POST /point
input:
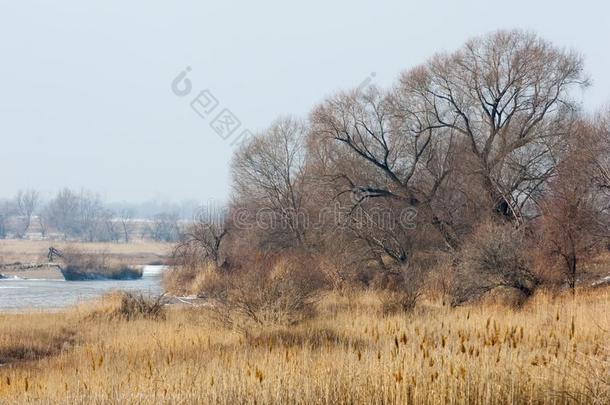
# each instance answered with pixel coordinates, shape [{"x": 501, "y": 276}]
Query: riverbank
[
  {"x": 46, "y": 273},
  {"x": 44, "y": 294},
  {"x": 34, "y": 251},
  {"x": 554, "y": 350},
  {"x": 31, "y": 254}
]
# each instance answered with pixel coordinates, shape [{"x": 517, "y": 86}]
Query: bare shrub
[
  {"x": 344, "y": 261},
  {"x": 400, "y": 289},
  {"x": 179, "y": 280},
  {"x": 204, "y": 280},
  {"x": 271, "y": 292},
  {"x": 268, "y": 291},
  {"x": 77, "y": 258},
  {"x": 545, "y": 265},
  {"x": 497, "y": 256},
  {"x": 440, "y": 276},
  {"x": 137, "y": 306},
  {"x": 81, "y": 265},
  {"x": 130, "y": 306},
  {"x": 210, "y": 282}
]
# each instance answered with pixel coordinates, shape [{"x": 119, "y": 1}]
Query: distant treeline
[{"x": 83, "y": 215}]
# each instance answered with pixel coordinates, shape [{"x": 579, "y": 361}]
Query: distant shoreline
[
  {"x": 49, "y": 273},
  {"x": 27, "y": 258}
]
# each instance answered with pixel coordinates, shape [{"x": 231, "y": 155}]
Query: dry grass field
[
  {"x": 554, "y": 350},
  {"x": 33, "y": 251}
]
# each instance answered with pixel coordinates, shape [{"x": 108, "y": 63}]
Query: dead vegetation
[
  {"x": 473, "y": 180},
  {"x": 40, "y": 337},
  {"x": 480, "y": 157},
  {"x": 136, "y": 251},
  {"x": 496, "y": 257},
  {"x": 129, "y": 306},
  {"x": 280, "y": 291},
  {"x": 78, "y": 265},
  {"x": 551, "y": 351}
]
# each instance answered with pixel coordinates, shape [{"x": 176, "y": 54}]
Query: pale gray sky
[{"x": 85, "y": 98}]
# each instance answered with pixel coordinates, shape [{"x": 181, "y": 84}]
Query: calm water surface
[{"x": 54, "y": 294}]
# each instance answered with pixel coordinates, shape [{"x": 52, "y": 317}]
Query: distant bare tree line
[{"x": 81, "y": 216}]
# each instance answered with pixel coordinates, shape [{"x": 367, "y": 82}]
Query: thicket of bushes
[
  {"x": 476, "y": 172},
  {"x": 77, "y": 265}
]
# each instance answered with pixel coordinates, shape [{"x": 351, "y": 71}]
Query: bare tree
[
  {"x": 576, "y": 208},
  {"x": 165, "y": 227},
  {"x": 43, "y": 222},
  {"x": 368, "y": 149},
  {"x": 2, "y": 225},
  {"x": 89, "y": 215},
  {"x": 61, "y": 212},
  {"x": 107, "y": 228},
  {"x": 80, "y": 215},
  {"x": 5, "y": 214},
  {"x": 269, "y": 176},
  {"x": 597, "y": 150},
  {"x": 508, "y": 96},
  {"x": 26, "y": 202},
  {"x": 468, "y": 133},
  {"x": 202, "y": 241},
  {"x": 125, "y": 217}
]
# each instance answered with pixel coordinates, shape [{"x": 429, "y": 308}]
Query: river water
[{"x": 19, "y": 295}]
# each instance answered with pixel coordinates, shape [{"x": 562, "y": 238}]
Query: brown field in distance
[{"x": 33, "y": 251}]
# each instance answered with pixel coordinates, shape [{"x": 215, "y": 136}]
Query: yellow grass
[
  {"x": 551, "y": 351},
  {"x": 32, "y": 251}
]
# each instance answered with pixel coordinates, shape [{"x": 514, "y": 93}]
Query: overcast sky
[{"x": 85, "y": 87}]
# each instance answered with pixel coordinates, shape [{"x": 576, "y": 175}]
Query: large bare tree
[
  {"x": 508, "y": 95},
  {"x": 269, "y": 177},
  {"x": 367, "y": 146}
]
